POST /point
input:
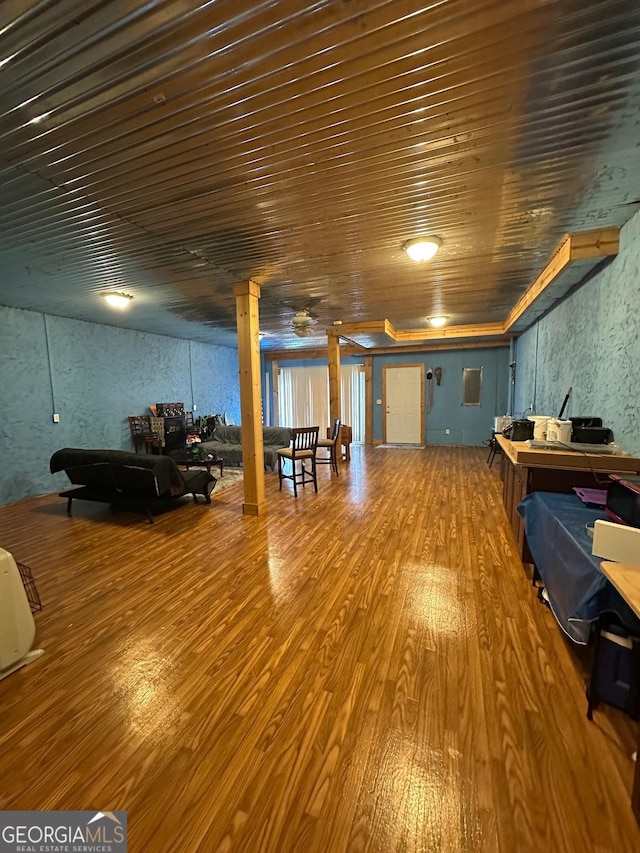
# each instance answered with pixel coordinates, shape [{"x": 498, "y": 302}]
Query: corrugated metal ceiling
[{"x": 185, "y": 146}]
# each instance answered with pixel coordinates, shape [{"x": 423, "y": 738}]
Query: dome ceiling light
[
  {"x": 422, "y": 249},
  {"x": 437, "y": 322},
  {"x": 117, "y": 300}
]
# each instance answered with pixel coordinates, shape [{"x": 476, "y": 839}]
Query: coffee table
[{"x": 200, "y": 462}]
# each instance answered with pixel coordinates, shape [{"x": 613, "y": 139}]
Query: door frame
[{"x": 419, "y": 364}]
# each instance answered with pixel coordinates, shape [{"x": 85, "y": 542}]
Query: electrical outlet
[
  {"x": 194, "y": 407},
  {"x": 447, "y": 431},
  {"x": 56, "y": 418},
  {"x": 378, "y": 402}
]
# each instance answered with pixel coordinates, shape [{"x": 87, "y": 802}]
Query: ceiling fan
[{"x": 302, "y": 323}]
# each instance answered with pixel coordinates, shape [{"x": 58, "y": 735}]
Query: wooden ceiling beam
[
  {"x": 366, "y": 327},
  {"x": 596, "y": 245},
  {"x": 489, "y": 330},
  {"x": 321, "y": 353}
]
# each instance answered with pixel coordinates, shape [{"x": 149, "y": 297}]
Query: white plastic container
[
  {"x": 540, "y": 426},
  {"x": 559, "y": 430}
]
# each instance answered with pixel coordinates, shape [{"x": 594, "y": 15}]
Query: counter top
[
  {"x": 533, "y": 457},
  {"x": 626, "y": 580}
]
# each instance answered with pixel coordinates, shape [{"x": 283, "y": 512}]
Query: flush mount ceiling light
[
  {"x": 437, "y": 322},
  {"x": 422, "y": 248},
  {"x": 117, "y": 300}
]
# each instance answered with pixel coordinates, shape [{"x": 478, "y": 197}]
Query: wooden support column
[
  {"x": 335, "y": 402},
  {"x": 247, "y": 294},
  {"x": 368, "y": 399}
]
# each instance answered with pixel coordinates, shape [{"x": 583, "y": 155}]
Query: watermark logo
[{"x": 63, "y": 832}]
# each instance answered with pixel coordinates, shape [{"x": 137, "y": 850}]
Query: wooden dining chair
[
  {"x": 302, "y": 450},
  {"x": 330, "y": 445},
  {"x": 141, "y": 435}
]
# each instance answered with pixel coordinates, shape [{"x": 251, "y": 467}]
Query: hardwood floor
[{"x": 365, "y": 669}]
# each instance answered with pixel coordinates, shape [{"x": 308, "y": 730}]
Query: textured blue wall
[
  {"x": 590, "y": 342},
  {"x": 99, "y": 375},
  {"x": 469, "y": 425}
]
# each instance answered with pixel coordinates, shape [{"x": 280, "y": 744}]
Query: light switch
[{"x": 56, "y": 418}]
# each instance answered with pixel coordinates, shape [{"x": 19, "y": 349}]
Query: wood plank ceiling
[{"x": 171, "y": 149}]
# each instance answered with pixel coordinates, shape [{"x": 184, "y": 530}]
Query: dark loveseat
[
  {"x": 227, "y": 444},
  {"x": 128, "y": 480}
]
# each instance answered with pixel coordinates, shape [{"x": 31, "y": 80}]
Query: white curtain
[
  {"x": 352, "y": 390},
  {"x": 303, "y": 398}
]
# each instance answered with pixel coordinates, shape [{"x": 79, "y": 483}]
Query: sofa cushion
[
  {"x": 228, "y": 434},
  {"x": 277, "y": 436}
]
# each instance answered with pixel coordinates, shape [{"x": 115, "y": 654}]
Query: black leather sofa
[{"x": 125, "y": 480}]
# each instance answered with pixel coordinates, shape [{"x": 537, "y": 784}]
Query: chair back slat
[
  {"x": 139, "y": 425},
  {"x": 305, "y": 438}
]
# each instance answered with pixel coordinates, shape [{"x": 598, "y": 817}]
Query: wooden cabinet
[
  {"x": 526, "y": 470},
  {"x": 514, "y": 488},
  {"x": 346, "y": 437}
]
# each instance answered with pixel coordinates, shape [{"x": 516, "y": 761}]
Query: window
[
  {"x": 304, "y": 397},
  {"x": 471, "y": 386}
]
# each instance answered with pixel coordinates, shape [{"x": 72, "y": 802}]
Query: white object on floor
[
  {"x": 17, "y": 628},
  {"x": 616, "y": 542}
]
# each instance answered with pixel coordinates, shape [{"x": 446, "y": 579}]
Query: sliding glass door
[{"x": 303, "y": 397}]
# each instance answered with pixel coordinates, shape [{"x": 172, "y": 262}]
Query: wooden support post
[
  {"x": 368, "y": 399},
  {"x": 247, "y": 294},
  {"x": 335, "y": 403}
]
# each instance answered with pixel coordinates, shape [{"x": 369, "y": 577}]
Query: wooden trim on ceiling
[
  {"x": 345, "y": 351},
  {"x": 488, "y": 330},
  {"x": 373, "y": 327},
  {"x": 597, "y": 245},
  {"x": 377, "y": 327}
]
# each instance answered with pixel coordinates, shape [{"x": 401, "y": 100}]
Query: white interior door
[{"x": 404, "y": 404}]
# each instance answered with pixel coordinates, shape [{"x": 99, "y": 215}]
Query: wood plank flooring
[{"x": 365, "y": 669}]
